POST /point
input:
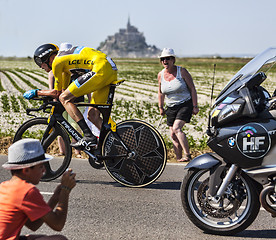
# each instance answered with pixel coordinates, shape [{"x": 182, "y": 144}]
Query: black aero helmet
[{"x": 43, "y": 53}]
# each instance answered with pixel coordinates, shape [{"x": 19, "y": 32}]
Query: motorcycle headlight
[{"x": 228, "y": 111}]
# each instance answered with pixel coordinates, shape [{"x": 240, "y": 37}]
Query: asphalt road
[{"x": 103, "y": 209}]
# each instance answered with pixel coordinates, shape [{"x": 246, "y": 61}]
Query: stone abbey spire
[
  {"x": 128, "y": 43},
  {"x": 128, "y": 22}
]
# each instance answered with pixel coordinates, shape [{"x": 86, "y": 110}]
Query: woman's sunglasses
[{"x": 165, "y": 58}]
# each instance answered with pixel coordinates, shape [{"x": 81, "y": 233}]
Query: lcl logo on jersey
[{"x": 253, "y": 140}]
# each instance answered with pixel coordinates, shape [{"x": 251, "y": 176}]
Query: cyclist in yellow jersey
[{"x": 94, "y": 72}]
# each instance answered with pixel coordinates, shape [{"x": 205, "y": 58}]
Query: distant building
[{"x": 128, "y": 43}]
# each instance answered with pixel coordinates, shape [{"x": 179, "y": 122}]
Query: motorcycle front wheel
[{"x": 234, "y": 212}]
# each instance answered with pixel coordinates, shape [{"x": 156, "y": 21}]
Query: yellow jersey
[{"x": 88, "y": 67}]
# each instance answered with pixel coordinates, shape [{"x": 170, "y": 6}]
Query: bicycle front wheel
[
  {"x": 38, "y": 128},
  {"x": 148, "y": 158}
]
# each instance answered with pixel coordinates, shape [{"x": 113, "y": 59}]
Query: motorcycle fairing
[
  {"x": 245, "y": 74},
  {"x": 205, "y": 161},
  {"x": 246, "y": 101},
  {"x": 212, "y": 162},
  {"x": 262, "y": 174},
  {"x": 229, "y": 141}
]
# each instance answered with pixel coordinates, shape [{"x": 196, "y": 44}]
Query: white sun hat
[
  {"x": 25, "y": 153},
  {"x": 167, "y": 52},
  {"x": 65, "y": 46}
]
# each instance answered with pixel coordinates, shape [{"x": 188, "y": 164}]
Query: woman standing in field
[{"x": 176, "y": 84}]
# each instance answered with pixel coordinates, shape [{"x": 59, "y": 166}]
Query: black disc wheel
[
  {"x": 38, "y": 128},
  {"x": 147, "y": 159}
]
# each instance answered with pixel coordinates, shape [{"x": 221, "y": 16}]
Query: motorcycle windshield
[{"x": 246, "y": 72}]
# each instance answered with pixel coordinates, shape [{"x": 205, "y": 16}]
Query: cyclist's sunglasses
[
  {"x": 39, "y": 61},
  {"x": 165, "y": 58}
]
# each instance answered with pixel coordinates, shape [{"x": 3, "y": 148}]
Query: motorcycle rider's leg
[{"x": 181, "y": 136}]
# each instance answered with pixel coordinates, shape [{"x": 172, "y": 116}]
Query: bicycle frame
[
  {"x": 107, "y": 125},
  {"x": 133, "y": 152}
]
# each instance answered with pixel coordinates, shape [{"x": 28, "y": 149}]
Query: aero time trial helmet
[{"x": 43, "y": 53}]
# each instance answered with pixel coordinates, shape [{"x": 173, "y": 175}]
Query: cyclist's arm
[
  {"x": 66, "y": 78},
  {"x": 58, "y": 70},
  {"x": 51, "y": 80},
  {"x": 49, "y": 93}
]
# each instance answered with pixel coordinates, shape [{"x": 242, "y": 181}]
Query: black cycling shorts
[{"x": 182, "y": 111}]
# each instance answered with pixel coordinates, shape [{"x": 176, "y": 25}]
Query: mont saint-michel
[{"x": 128, "y": 43}]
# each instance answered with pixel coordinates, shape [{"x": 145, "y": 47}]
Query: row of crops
[{"x": 135, "y": 98}]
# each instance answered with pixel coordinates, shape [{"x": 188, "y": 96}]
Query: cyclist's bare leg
[
  {"x": 67, "y": 100},
  {"x": 93, "y": 116},
  {"x": 89, "y": 139}
]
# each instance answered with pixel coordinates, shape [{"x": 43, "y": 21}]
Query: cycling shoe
[{"x": 86, "y": 143}]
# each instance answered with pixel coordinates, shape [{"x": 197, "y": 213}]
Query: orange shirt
[{"x": 19, "y": 201}]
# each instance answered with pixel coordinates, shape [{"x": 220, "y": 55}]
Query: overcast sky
[{"x": 192, "y": 28}]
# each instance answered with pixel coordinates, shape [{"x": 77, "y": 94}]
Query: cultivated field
[{"x": 135, "y": 98}]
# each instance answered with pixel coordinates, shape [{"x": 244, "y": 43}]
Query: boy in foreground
[{"x": 21, "y": 202}]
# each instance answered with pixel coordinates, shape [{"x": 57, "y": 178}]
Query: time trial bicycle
[{"x": 133, "y": 152}]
